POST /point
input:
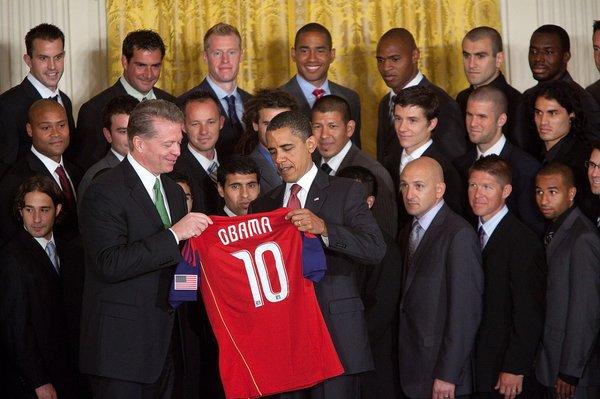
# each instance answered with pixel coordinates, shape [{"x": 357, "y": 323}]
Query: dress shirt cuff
[
  {"x": 569, "y": 379},
  {"x": 174, "y": 235}
]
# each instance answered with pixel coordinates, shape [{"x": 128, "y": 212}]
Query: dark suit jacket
[
  {"x": 229, "y": 135},
  {"x": 594, "y": 90},
  {"x": 269, "y": 177},
  {"x": 14, "y": 104},
  {"x": 109, "y": 161},
  {"x": 24, "y": 168},
  {"x": 126, "y": 321},
  {"x": 514, "y": 266},
  {"x": 385, "y": 209},
  {"x": 450, "y": 132},
  {"x": 92, "y": 143},
  {"x": 440, "y": 306},
  {"x": 516, "y": 128},
  {"x": 570, "y": 341},
  {"x": 292, "y": 87},
  {"x": 522, "y": 199},
  {"x": 34, "y": 320},
  {"x": 204, "y": 190},
  {"x": 354, "y": 238}
]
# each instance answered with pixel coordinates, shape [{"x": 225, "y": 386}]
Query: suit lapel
[
  {"x": 317, "y": 193},
  {"x": 30, "y": 90},
  {"x": 205, "y": 86},
  {"x": 347, "y": 161},
  {"x": 139, "y": 194},
  {"x": 497, "y": 235},
  {"x": 31, "y": 246},
  {"x": 173, "y": 193},
  {"x": 297, "y": 92},
  {"x": 561, "y": 234}
]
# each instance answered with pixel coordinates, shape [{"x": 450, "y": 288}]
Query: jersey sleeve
[{"x": 313, "y": 258}]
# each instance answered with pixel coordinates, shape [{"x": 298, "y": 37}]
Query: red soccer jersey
[{"x": 271, "y": 333}]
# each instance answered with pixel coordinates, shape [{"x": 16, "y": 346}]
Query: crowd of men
[{"x": 462, "y": 261}]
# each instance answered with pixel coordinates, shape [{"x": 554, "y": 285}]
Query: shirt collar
[
  {"x": 427, "y": 218},
  {"x": 493, "y": 222},
  {"x": 44, "y": 91},
  {"x": 335, "y": 161},
  {"x": 228, "y": 212},
  {"x": 116, "y": 154},
  {"x": 50, "y": 164},
  {"x": 305, "y": 182},
  {"x": 43, "y": 242},
  {"x": 219, "y": 91},
  {"x": 205, "y": 162},
  {"x": 405, "y": 158},
  {"x": 308, "y": 88},
  {"x": 414, "y": 81},
  {"x": 496, "y": 149},
  {"x": 148, "y": 178},
  {"x": 132, "y": 91}
]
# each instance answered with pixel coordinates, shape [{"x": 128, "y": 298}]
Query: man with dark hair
[
  {"x": 333, "y": 128},
  {"x": 486, "y": 117},
  {"x": 142, "y": 55},
  {"x": 312, "y": 53},
  {"x": 591, "y": 206},
  {"x": 482, "y": 60},
  {"x": 398, "y": 64},
  {"x": 594, "y": 88},
  {"x": 132, "y": 220},
  {"x": 335, "y": 210},
  {"x": 260, "y": 109},
  {"x": 513, "y": 302},
  {"x": 184, "y": 183},
  {"x": 45, "y": 58},
  {"x": 200, "y": 158},
  {"x": 379, "y": 288},
  {"x": 115, "y": 117},
  {"x": 549, "y": 55},
  {"x": 222, "y": 54},
  {"x": 416, "y": 116},
  {"x": 567, "y": 362},
  {"x": 238, "y": 185}
]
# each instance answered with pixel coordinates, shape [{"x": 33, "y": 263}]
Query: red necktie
[
  {"x": 66, "y": 187},
  {"x": 318, "y": 93},
  {"x": 294, "y": 201}
]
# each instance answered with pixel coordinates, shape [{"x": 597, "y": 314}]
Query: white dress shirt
[
  {"x": 335, "y": 161},
  {"x": 44, "y": 91},
  {"x": 51, "y": 165},
  {"x": 417, "y": 153},
  {"x": 132, "y": 91}
]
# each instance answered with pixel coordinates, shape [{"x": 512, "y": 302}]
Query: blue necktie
[
  {"x": 51, "y": 251},
  {"x": 231, "y": 110}
]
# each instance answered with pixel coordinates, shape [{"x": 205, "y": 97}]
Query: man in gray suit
[
  {"x": 568, "y": 362},
  {"x": 333, "y": 128},
  {"x": 313, "y": 52},
  {"x": 441, "y": 299},
  {"x": 114, "y": 127}
]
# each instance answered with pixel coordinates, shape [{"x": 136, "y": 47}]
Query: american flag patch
[{"x": 186, "y": 282}]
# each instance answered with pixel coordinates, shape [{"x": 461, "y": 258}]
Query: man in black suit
[
  {"x": 482, "y": 59},
  {"x": 34, "y": 328},
  {"x": 45, "y": 58},
  {"x": 441, "y": 297},
  {"x": 568, "y": 361},
  {"x": 398, "y": 64},
  {"x": 333, "y": 129},
  {"x": 199, "y": 159},
  {"x": 48, "y": 129},
  {"x": 312, "y": 53},
  {"x": 594, "y": 88},
  {"x": 238, "y": 185},
  {"x": 115, "y": 117},
  {"x": 260, "y": 109},
  {"x": 549, "y": 54},
  {"x": 222, "y": 54},
  {"x": 514, "y": 269},
  {"x": 592, "y": 205},
  {"x": 132, "y": 220},
  {"x": 486, "y": 117},
  {"x": 416, "y": 116},
  {"x": 142, "y": 55},
  {"x": 335, "y": 210}
]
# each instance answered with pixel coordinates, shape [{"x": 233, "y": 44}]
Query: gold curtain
[{"x": 268, "y": 28}]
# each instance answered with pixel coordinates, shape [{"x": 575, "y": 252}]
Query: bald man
[
  {"x": 441, "y": 298},
  {"x": 398, "y": 63},
  {"x": 48, "y": 127}
]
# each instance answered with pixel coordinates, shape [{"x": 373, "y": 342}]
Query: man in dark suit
[
  {"x": 199, "y": 159},
  {"x": 333, "y": 129},
  {"x": 132, "y": 220},
  {"x": 49, "y": 131},
  {"x": 398, "y": 64},
  {"x": 312, "y": 53},
  {"x": 568, "y": 362},
  {"x": 114, "y": 127},
  {"x": 45, "y": 58},
  {"x": 142, "y": 55},
  {"x": 238, "y": 185},
  {"x": 260, "y": 109},
  {"x": 441, "y": 300},
  {"x": 486, "y": 117},
  {"x": 592, "y": 205},
  {"x": 549, "y": 54},
  {"x": 380, "y": 291},
  {"x": 594, "y": 88},
  {"x": 514, "y": 266},
  {"x": 482, "y": 59},
  {"x": 333, "y": 209},
  {"x": 416, "y": 113},
  {"x": 222, "y": 54},
  {"x": 34, "y": 316}
]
